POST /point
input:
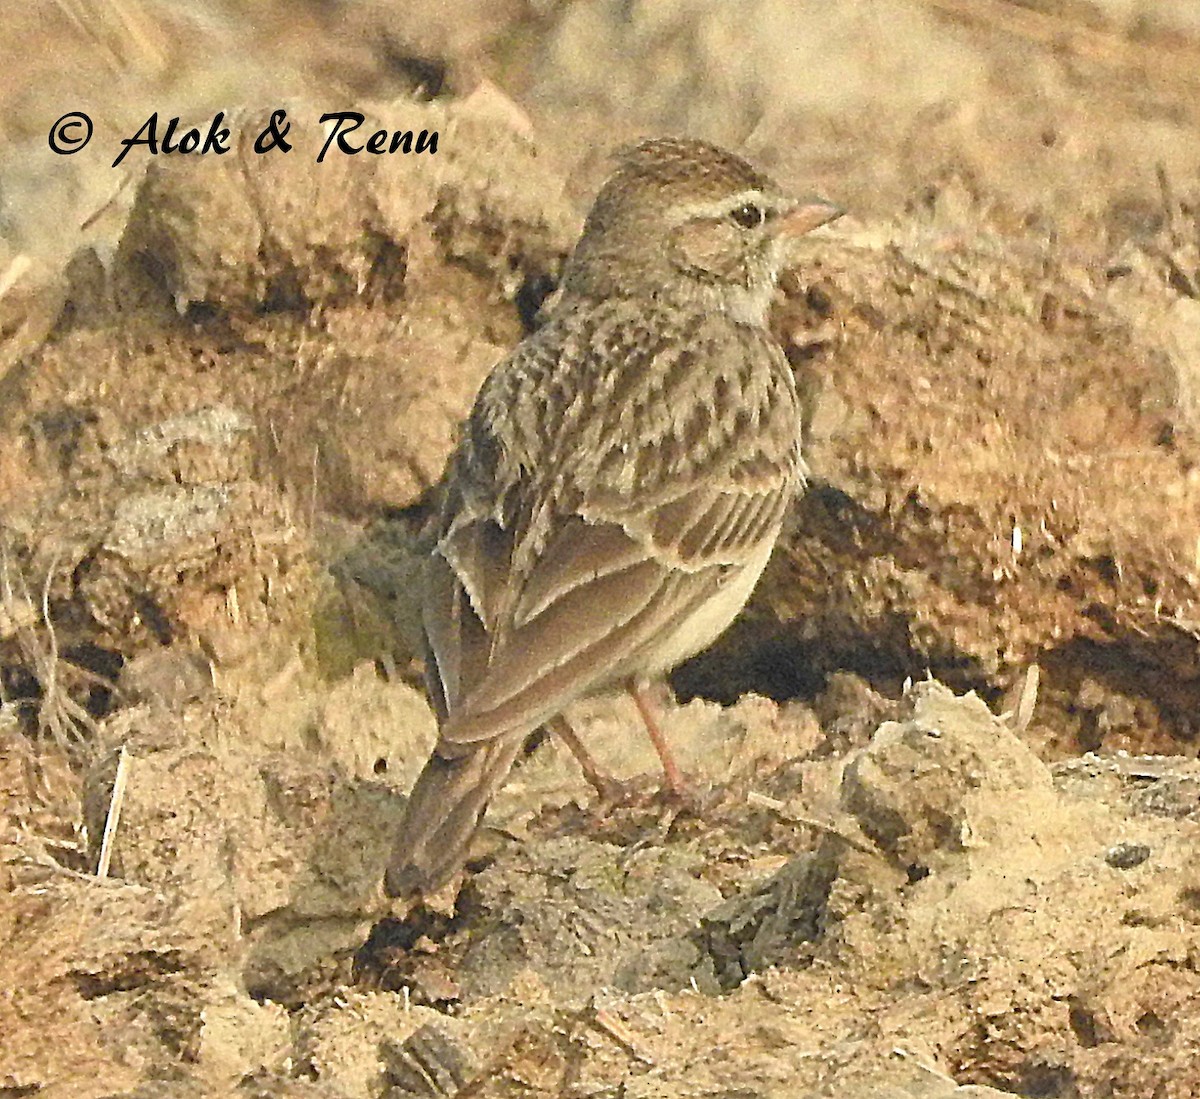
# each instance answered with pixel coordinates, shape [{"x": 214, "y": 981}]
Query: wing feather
[
  {"x": 578, "y": 552},
  {"x": 656, "y": 597},
  {"x": 565, "y": 546}
]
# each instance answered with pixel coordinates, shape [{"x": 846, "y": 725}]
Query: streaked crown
[{"x": 687, "y": 222}]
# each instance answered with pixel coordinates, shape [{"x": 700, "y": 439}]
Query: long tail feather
[{"x": 443, "y": 813}]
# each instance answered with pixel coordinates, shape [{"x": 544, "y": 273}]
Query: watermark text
[{"x": 347, "y": 133}]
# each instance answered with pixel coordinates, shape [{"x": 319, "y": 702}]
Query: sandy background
[{"x": 950, "y": 842}]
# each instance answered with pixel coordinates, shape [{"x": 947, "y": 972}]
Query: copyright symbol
[{"x": 65, "y": 135}]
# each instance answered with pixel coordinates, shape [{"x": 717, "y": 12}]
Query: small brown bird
[{"x": 619, "y": 485}]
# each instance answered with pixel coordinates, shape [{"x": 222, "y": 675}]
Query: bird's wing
[{"x": 546, "y": 589}]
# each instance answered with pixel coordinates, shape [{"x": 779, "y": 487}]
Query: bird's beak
[{"x": 808, "y": 214}]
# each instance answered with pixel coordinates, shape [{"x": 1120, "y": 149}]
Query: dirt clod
[{"x": 945, "y": 834}]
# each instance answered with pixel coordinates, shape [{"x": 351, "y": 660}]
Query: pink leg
[
  {"x": 603, "y": 784},
  {"x": 676, "y": 784}
]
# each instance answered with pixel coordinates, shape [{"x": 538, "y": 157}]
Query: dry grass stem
[
  {"x": 114, "y": 813},
  {"x": 59, "y": 715}
]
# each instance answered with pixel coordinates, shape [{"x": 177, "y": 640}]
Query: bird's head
[{"x": 685, "y": 220}]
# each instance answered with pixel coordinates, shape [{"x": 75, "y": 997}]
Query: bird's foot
[{"x": 670, "y": 799}]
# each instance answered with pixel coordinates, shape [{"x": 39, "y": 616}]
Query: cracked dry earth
[{"x": 949, "y": 841}]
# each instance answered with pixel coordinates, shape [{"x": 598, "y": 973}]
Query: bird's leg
[
  {"x": 612, "y": 791},
  {"x": 676, "y": 785},
  {"x": 608, "y": 788}
]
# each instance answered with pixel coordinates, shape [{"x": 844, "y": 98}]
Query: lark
[{"x": 619, "y": 485}]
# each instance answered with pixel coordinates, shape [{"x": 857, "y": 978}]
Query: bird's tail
[{"x": 443, "y": 814}]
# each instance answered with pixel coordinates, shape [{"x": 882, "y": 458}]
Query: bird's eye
[{"x": 748, "y": 215}]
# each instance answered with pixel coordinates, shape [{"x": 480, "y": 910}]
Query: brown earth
[{"x": 227, "y": 385}]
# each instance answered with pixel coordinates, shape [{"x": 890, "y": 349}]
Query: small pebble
[{"x": 1125, "y": 856}]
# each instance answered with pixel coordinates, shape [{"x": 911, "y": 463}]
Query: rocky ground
[{"x": 950, "y": 834}]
